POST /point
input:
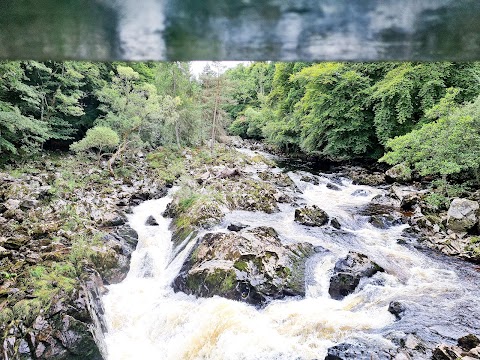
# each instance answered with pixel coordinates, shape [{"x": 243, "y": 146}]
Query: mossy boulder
[
  {"x": 462, "y": 215},
  {"x": 399, "y": 173},
  {"x": 252, "y": 266},
  {"x": 311, "y": 216}
]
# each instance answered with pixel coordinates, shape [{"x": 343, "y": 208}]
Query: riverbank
[{"x": 64, "y": 236}]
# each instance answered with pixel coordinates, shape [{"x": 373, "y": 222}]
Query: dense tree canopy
[{"x": 332, "y": 110}]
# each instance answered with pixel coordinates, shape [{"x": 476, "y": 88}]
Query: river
[{"x": 148, "y": 320}]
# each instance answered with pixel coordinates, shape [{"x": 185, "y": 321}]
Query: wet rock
[
  {"x": 335, "y": 223},
  {"x": 236, "y": 227},
  {"x": 385, "y": 221},
  {"x": 348, "y": 272},
  {"x": 151, "y": 221},
  {"x": 468, "y": 342},
  {"x": 114, "y": 219},
  {"x": 333, "y": 187},
  {"x": 310, "y": 179},
  {"x": 360, "y": 192},
  {"x": 278, "y": 179},
  {"x": 399, "y": 173},
  {"x": 462, "y": 215},
  {"x": 468, "y": 348},
  {"x": 311, "y": 216},
  {"x": 362, "y": 176},
  {"x": 396, "y": 308},
  {"x": 346, "y": 351},
  {"x": 385, "y": 200},
  {"x": 444, "y": 352},
  {"x": 254, "y": 267}
]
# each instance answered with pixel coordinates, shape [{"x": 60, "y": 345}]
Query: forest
[{"x": 391, "y": 112}]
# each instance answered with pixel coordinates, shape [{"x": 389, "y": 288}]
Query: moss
[
  {"x": 6, "y": 315},
  {"x": 169, "y": 164},
  {"x": 27, "y": 310},
  {"x": 241, "y": 265}
]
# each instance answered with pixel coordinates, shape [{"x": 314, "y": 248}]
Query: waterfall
[{"x": 148, "y": 320}]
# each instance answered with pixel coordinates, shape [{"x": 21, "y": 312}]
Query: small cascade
[{"x": 148, "y": 320}]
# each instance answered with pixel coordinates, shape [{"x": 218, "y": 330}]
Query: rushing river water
[{"x": 148, "y": 320}]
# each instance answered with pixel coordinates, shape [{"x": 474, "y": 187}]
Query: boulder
[
  {"x": 278, "y": 179},
  {"x": 399, "y": 173},
  {"x": 310, "y": 179},
  {"x": 151, "y": 221},
  {"x": 468, "y": 348},
  {"x": 360, "y": 192},
  {"x": 335, "y": 223},
  {"x": 385, "y": 221},
  {"x": 468, "y": 342},
  {"x": 396, "y": 308},
  {"x": 236, "y": 227},
  {"x": 348, "y": 272},
  {"x": 347, "y": 351},
  {"x": 253, "y": 267},
  {"x": 462, "y": 215},
  {"x": 311, "y": 216},
  {"x": 333, "y": 187}
]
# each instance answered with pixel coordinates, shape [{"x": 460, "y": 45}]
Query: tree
[
  {"x": 98, "y": 137},
  {"x": 215, "y": 95},
  {"x": 128, "y": 105},
  {"x": 448, "y": 145},
  {"x": 335, "y": 121}
]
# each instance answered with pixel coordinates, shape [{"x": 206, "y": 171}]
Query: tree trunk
[{"x": 177, "y": 133}]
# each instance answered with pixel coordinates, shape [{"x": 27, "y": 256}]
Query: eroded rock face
[
  {"x": 311, "y": 216},
  {"x": 348, "y": 272},
  {"x": 252, "y": 266},
  {"x": 468, "y": 347},
  {"x": 462, "y": 215}
]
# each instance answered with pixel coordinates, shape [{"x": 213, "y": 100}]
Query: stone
[
  {"x": 311, "y": 216},
  {"x": 310, "y": 179},
  {"x": 348, "y": 272},
  {"x": 396, "y": 308},
  {"x": 114, "y": 219},
  {"x": 360, "y": 192},
  {"x": 335, "y": 223},
  {"x": 468, "y": 342},
  {"x": 399, "y": 173},
  {"x": 385, "y": 221},
  {"x": 462, "y": 215},
  {"x": 236, "y": 227},
  {"x": 151, "y": 221},
  {"x": 333, "y": 187},
  {"x": 252, "y": 267},
  {"x": 28, "y": 204}
]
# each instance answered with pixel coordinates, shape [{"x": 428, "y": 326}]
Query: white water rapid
[{"x": 148, "y": 320}]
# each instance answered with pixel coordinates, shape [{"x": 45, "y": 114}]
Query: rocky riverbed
[{"x": 65, "y": 236}]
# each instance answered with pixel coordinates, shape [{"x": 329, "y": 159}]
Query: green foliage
[
  {"x": 437, "y": 201},
  {"x": 99, "y": 137},
  {"x": 446, "y": 146},
  {"x": 334, "y": 121},
  {"x": 251, "y": 124},
  {"x": 169, "y": 163}
]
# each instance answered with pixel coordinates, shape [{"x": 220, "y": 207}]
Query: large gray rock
[
  {"x": 252, "y": 266},
  {"x": 311, "y": 216},
  {"x": 462, "y": 215},
  {"x": 348, "y": 272},
  {"x": 399, "y": 173}
]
